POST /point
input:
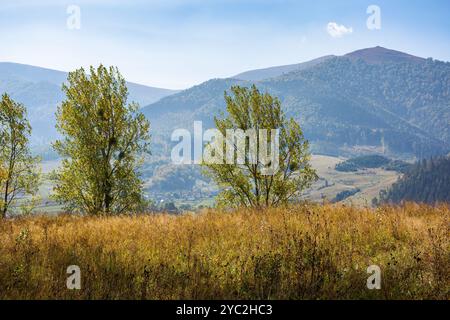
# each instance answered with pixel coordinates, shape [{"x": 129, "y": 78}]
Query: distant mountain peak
[
  {"x": 381, "y": 55},
  {"x": 375, "y": 55}
]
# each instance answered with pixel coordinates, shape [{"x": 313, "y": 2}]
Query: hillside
[
  {"x": 273, "y": 72},
  {"x": 40, "y": 90},
  {"x": 428, "y": 182},
  {"x": 347, "y": 105}
]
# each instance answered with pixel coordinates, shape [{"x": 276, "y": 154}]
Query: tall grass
[{"x": 300, "y": 252}]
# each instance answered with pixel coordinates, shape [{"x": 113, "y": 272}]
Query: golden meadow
[{"x": 299, "y": 252}]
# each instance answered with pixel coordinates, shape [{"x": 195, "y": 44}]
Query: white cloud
[{"x": 336, "y": 31}]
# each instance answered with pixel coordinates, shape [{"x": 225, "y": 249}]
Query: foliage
[
  {"x": 246, "y": 184},
  {"x": 398, "y": 166},
  {"x": 372, "y": 161},
  {"x": 30, "y": 204},
  {"x": 19, "y": 173},
  {"x": 345, "y": 194},
  {"x": 428, "y": 181},
  {"x": 103, "y": 140},
  {"x": 298, "y": 252}
]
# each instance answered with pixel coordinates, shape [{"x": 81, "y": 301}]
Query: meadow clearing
[{"x": 307, "y": 251}]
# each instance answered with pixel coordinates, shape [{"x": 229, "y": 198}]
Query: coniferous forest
[{"x": 428, "y": 181}]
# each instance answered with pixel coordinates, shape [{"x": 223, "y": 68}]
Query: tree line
[
  {"x": 427, "y": 181},
  {"x": 105, "y": 138}
]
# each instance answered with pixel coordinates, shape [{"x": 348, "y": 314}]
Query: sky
[{"x": 176, "y": 44}]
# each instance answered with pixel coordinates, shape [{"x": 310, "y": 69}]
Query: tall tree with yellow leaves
[{"x": 103, "y": 141}]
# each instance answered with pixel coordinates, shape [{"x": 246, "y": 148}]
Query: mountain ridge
[
  {"x": 272, "y": 72},
  {"x": 370, "y": 55},
  {"x": 39, "y": 89},
  {"x": 344, "y": 103},
  {"x": 31, "y": 73}
]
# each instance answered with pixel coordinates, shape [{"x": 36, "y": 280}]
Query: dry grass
[{"x": 302, "y": 252}]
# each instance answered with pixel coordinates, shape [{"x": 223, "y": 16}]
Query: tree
[
  {"x": 19, "y": 171},
  {"x": 103, "y": 145},
  {"x": 244, "y": 181}
]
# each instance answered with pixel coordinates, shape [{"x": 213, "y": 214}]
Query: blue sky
[{"x": 177, "y": 44}]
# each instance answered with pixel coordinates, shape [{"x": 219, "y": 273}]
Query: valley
[{"x": 330, "y": 183}]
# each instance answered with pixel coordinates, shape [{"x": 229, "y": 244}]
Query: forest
[{"x": 428, "y": 181}]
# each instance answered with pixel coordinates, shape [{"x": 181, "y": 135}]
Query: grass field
[
  {"x": 308, "y": 251},
  {"x": 369, "y": 181}
]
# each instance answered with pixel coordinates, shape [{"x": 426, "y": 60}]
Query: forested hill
[
  {"x": 375, "y": 98},
  {"x": 428, "y": 181}
]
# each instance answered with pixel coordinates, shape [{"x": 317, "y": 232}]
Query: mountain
[
  {"x": 375, "y": 100},
  {"x": 39, "y": 89},
  {"x": 383, "y": 55},
  {"x": 428, "y": 181},
  {"x": 273, "y": 72}
]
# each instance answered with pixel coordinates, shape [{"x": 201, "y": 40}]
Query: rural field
[
  {"x": 330, "y": 183},
  {"x": 307, "y": 251}
]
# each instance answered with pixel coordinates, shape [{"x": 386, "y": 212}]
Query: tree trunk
[
  {"x": 108, "y": 198},
  {"x": 5, "y": 199}
]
